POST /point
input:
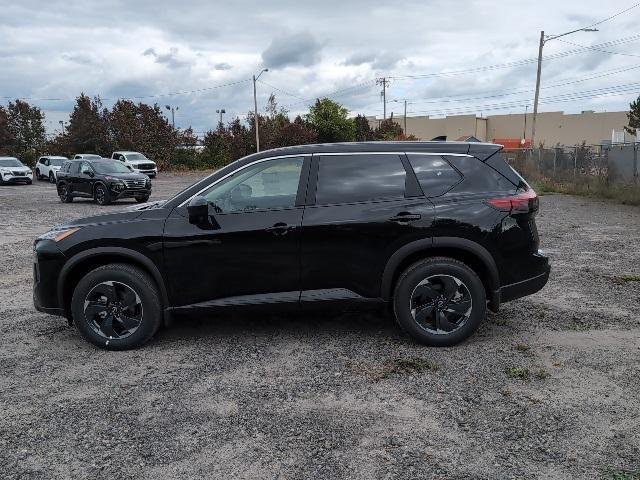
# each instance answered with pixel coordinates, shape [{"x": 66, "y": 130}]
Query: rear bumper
[{"x": 525, "y": 287}]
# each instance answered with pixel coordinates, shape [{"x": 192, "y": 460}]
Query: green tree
[
  {"x": 634, "y": 117},
  {"x": 329, "y": 119},
  {"x": 364, "y": 132},
  {"x": 88, "y": 130},
  {"x": 24, "y": 132},
  {"x": 388, "y": 130},
  {"x": 6, "y": 137}
]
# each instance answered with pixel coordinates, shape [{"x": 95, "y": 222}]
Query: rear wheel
[
  {"x": 64, "y": 193},
  {"x": 52, "y": 177},
  {"x": 117, "y": 307},
  {"x": 101, "y": 195},
  {"x": 439, "y": 301}
]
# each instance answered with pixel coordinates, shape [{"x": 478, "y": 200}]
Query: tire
[
  {"x": 64, "y": 194},
  {"x": 38, "y": 176},
  {"x": 52, "y": 177},
  {"x": 142, "y": 199},
  {"x": 101, "y": 195},
  {"x": 439, "y": 301},
  {"x": 117, "y": 307},
  {"x": 29, "y": 182}
]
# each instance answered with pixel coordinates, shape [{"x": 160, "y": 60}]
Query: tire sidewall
[
  {"x": 106, "y": 199},
  {"x": 150, "y": 307},
  {"x": 419, "y": 272}
]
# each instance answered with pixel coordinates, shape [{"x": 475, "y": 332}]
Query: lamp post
[
  {"x": 61, "y": 122},
  {"x": 405, "y": 113},
  {"x": 544, "y": 39},
  {"x": 255, "y": 105},
  {"x": 173, "y": 112},
  {"x": 221, "y": 111}
]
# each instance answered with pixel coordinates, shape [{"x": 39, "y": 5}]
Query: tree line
[{"x": 93, "y": 128}]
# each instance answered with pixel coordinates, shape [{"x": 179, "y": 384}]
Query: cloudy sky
[{"x": 445, "y": 57}]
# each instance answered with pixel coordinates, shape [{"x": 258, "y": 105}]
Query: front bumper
[
  {"x": 130, "y": 193},
  {"x": 152, "y": 173},
  {"x": 48, "y": 261},
  {"x": 10, "y": 178}
]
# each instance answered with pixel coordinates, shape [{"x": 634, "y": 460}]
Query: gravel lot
[{"x": 547, "y": 388}]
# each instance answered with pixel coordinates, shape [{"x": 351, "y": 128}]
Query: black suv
[
  {"x": 104, "y": 180},
  {"x": 437, "y": 230}
]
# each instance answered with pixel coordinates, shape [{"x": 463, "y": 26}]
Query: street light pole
[
  {"x": 255, "y": 105},
  {"x": 221, "y": 111},
  {"x": 405, "y": 117},
  {"x": 173, "y": 111},
  {"x": 544, "y": 40}
]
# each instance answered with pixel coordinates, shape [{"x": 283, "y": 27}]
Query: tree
[
  {"x": 88, "y": 130},
  {"x": 388, "y": 130},
  {"x": 364, "y": 133},
  {"x": 330, "y": 121},
  {"x": 24, "y": 131},
  {"x": 634, "y": 117},
  {"x": 6, "y": 137},
  {"x": 277, "y": 130}
]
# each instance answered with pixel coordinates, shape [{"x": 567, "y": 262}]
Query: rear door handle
[
  {"x": 280, "y": 228},
  {"x": 406, "y": 217}
]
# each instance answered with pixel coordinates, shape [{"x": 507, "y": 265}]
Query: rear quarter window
[
  {"x": 435, "y": 175},
  {"x": 478, "y": 177}
]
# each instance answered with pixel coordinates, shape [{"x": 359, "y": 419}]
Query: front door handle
[
  {"x": 280, "y": 228},
  {"x": 403, "y": 217}
]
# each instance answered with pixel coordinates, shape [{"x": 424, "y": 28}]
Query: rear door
[{"x": 361, "y": 208}]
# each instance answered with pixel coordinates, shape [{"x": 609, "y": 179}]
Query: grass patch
[
  {"x": 630, "y": 278},
  {"x": 589, "y": 186},
  {"x": 542, "y": 374},
  {"x": 521, "y": 373},
  {"x": 577, "y": 327},
  {"x": 522, "y": 347},
  {"x": 621, "y": 474}
]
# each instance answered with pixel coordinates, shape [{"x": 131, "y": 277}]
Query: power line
[
  {"x": 281, "y": 91},
  {"x": 598, "y": 49},
  {"x": 613, "y": 16}
]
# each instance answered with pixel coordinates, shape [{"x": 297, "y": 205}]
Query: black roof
[{"x": 480, "y": 150}]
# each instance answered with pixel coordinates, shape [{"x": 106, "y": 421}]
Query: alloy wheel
[
  {"x": 100, "y": 195},
  {"x": 441, "y": 304},
  {"x": 113, "y": 310}
]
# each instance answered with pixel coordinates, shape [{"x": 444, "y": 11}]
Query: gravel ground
[{"x": 547, "y": 388}]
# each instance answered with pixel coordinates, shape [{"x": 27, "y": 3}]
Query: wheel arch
[
  {"x": 467, "y": 251},
  {"x": 82, "y": 263}
]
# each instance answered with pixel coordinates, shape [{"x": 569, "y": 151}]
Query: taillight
[{"x": 522, "y": 202}]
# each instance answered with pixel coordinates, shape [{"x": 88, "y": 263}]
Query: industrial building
[{"x": 552, "y": 128}]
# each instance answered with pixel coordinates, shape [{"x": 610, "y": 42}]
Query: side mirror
[
  {"x": 87, "y": 172},
  {"x": 198, "y": 210}
]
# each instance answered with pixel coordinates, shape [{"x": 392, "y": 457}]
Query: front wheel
[
  {"x": 52, "y": 177},
  {"x": 117, "y": 307},
  {"x": 65, "y": 193},
  {"x": 101, "y": 195},
  {"x": 439, "y": 301},
  {"x": 142, "y": 199},
  {"x": 38, "y": 176}
]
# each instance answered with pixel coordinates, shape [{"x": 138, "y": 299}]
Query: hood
[
  {"x": 15, "y": 169},
  {"x": 137, "y": 162},
  {"x": 105, "y": 218}
]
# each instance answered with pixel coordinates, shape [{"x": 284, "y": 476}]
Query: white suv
[
  {"x": 47, "y": 167},
  {"x": 137, "y": 161},
  {"x": 13, "y": 170}
]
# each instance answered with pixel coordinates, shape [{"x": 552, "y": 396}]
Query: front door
[
  {"x": 84, "y": 184},
  {"x": 250, "y": 253}
]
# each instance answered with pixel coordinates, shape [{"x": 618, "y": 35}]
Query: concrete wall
[{"x": 552, "y": 127}]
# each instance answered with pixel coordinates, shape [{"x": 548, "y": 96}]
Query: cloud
[
  {"x": 296, "y": 49},
  {"x": 170, "y": 59},
  {"x": 222, "y": 66},
  {"x": 378, "y": 60}
]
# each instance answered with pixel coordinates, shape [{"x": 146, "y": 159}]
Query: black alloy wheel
[{"x": 113, "y": 310}]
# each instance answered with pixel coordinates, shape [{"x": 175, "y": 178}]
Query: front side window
[
  {"x": 358, "y": 178},
  {"x": 434, "y": 174},
  {"x": 272, "y": 184},
  {"x": 85, "y": 168}
]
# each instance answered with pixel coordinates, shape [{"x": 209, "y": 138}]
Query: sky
[{"x": 443, "y": 57}]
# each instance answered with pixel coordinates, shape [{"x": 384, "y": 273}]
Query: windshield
[
  {"x": 56, "y": 162},
  {"x": 110, "y": 167},
  {"x": 10, "y": 162},
  {"x": 136, "y": 156}
]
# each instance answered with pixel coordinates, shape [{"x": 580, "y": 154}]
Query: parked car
[
  {"x": 48, "y": 166},
  {"x": 439, "y": 231},
  {"x": 13, "y": 170},
  {"x": 104, "y": 180},
  {"x": 137, "y": 161},
  {"x": 86, "y": 156}
]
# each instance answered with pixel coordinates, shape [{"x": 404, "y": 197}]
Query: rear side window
[
  {"x": 359, "y": 178},
  {"x": 435, "y": 175}
]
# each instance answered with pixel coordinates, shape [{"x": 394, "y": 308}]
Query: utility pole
[
  {"x": 405, "y": 117},
  {"x": 524, "y": 133},
  {"x": 221, "y": 111},
  {"x": 384, "y": 82},
  {"x": 544, "y": 40},
  {"x": 173, "y": 112},
  {"x": 255, "y": 105}
]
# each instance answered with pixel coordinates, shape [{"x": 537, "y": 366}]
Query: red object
[
  {"x": 513, "y": 143},
  {"x": 526, "y": 201}
]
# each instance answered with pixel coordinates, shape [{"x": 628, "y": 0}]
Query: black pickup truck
[{"x": 104, "y": 180}]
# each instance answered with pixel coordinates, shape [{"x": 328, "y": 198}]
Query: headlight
[{"x": 57, "y": 235}]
